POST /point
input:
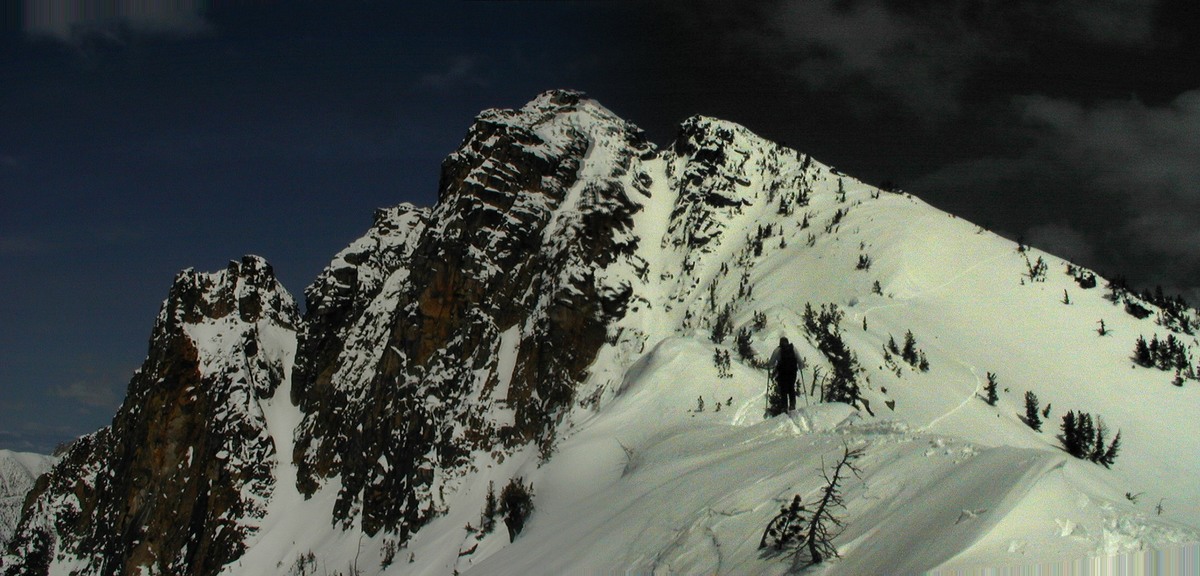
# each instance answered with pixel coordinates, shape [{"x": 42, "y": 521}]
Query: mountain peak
[
  {"x": 558, "y": 98},
  {"x": 585, "y": 312},
  {"x": 247, "y": 287}
]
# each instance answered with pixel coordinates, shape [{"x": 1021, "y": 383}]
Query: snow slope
[
  {"x": 664, "y": 464},
  {"x": 643, "y": 481},
  {"x": 18, "y": 472}
]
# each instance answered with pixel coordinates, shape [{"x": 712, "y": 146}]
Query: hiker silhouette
[{"x": 782, "y": 368}]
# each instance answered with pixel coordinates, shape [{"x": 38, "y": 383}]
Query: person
[{"x": 782, "y": 367}]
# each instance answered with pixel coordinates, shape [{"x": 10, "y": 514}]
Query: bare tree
[
  {"x": 824, "y": 525},
  {"x": 811, "y": 531}
]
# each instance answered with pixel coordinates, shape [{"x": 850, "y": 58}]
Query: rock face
[
  {"x": 467, "y": 327},
  {"x": 175, "y": 483},
  {"x": 447, "y": 340},
  {"x": 442, "y": 333},
  {"x": 18, "y": 471}
]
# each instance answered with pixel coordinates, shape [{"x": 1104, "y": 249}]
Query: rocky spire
[{"x": 177, "y": 480}]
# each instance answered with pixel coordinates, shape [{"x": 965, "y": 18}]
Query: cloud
[
  {"x": 1063, "y": 240},
  {"x": 77, "y": 20},
  {"x": 464, "y": 71},
  {"x": 95, "y": 389},
  {"x": 1112, "y": 21},
  {"x": 1126, "y": 172},
  {"x": 922, "y": 55}
]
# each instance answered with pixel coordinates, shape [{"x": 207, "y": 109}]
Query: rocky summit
[{"x": 573, "y": 341}]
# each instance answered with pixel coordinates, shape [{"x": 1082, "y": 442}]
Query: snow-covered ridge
[
  {"x": 18, "y": 471},
  {"x": 561, "y": 316}
]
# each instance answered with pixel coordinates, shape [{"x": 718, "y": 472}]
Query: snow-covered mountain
[
  {"x": 558, "y": 320},
  {"x": 18, "y": 472}
]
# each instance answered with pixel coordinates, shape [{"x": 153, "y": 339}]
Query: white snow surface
[
  {"x": 642, "y": 481},
  {"x": 18, "y": 472}
]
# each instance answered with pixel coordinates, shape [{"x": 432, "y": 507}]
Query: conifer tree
[
  {"x": 909, "y": 354},
  {"x": 786, "y": 529},
  {"x": 516, "y": 503},
  {"x": 487, "y": 522},
  {"x": 1110, "y": 455},
  {"x": 1070, "y": 435},
  {"x": 1141, "y": 353},
  {"x": 992, "y": 395},
  {"x": 1032, "y": 418}
]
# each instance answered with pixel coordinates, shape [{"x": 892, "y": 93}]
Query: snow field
[{"x": 645, "y": 482}]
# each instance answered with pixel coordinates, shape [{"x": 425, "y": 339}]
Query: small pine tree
[
  {"x": 1083, "y": 437},
  {"x": 1066, "y": 298},
  {"x": 487, "y": 521},
  {"x": 1102, "y": 330},
  {"x": 910, "y": 348},
  {"x": 1098, "y": 443},
  {"x": 909, "y": 354},
  {"x": 1070, "y": 435},
  {"x": 992, "y": 395},
  {"x": 1032, "y": 418},
  {"x": 723, "y": 325},
  {"x": 699, "y": 403},
  {"x": 786, "y": 529},
  {"x": 1110, "y": 455},
  {"x": 745, "y": 350},
  {"x": 1141, "y": 353},
  {"x": 864, "y": 262},
  {"x": 516, "y": 504},
  {"x": 760, "y": 321},
  {"x": 876, "y": 289}
]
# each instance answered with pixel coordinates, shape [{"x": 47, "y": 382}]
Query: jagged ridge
[
  {"x": 174, "y": 484},
  {"x": 565, "y": 289}
]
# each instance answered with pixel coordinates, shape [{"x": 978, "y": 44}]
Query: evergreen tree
[
  {"x": 992, "y": 395},
  {"x": 1110, "y": 455},
  {"x": 1070, "y": 435},
  {"x": 1032, "y": 418},
  {"x": 1141, "y": 353},
  {"x": 516, "y": 503},
  {"x": 745, "y": 350},
  {"x": 487, "y": 522},
  {"x": 1098, "y": 447},
  {"x": 909, "y": 354},
  {"x": 786, "y": 529}
]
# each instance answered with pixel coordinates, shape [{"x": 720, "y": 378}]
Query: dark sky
[{"x": 140, "y": 138}]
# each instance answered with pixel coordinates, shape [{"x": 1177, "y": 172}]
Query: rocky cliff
[
  {"x": 467, "y": 327},
  {"x": 567, "y": 311},
  {"x": 175, "y": 483}
]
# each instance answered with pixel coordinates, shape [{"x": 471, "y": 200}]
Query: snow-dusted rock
[{"x": 556, "y": 317}]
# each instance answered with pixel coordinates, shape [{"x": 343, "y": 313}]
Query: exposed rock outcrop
[
  {"x": 175, "y": 483},
  {"x": 513, "y": 244}
]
